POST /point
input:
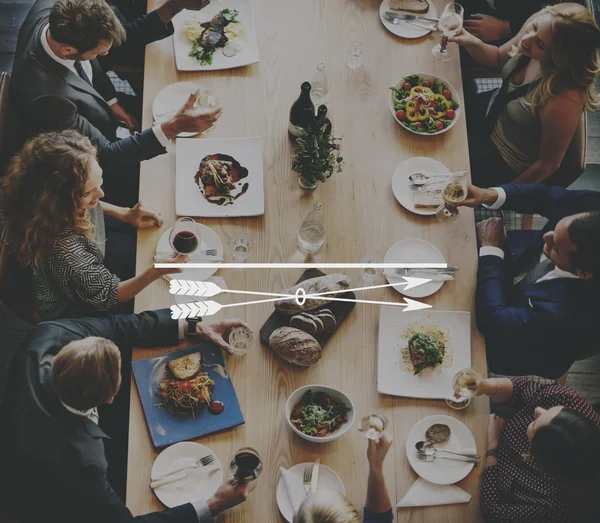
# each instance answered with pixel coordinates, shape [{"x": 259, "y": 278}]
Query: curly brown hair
[{"x": 41, "y": 191}]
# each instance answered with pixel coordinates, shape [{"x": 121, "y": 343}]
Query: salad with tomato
[{"x": 423, "y": 105}]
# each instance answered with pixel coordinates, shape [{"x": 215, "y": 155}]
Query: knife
[
  {"x": 402, "y": 16},
  {"x": 184, "y": 475},
  {"x": 314, "y": 482}
]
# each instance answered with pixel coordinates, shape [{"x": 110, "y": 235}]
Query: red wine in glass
[
  {"x": 185, "y": 242},
  {"x": 246, "y": 465}
]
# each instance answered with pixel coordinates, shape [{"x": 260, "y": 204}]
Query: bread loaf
[
  {"x": 329, "y": 283},
  {"x": 295, "y": 346},
  {"x": 411, "y": 6},
  {"x": 328, "y": 319}
]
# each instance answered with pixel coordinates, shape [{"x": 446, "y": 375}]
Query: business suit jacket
[
  {"x": 56, "y": 460},
  {"x": 51, "y": 97},
  {"x": 536, "y": 328}
]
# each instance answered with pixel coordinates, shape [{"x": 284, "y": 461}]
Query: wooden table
[{"x": 361, "y": 216}]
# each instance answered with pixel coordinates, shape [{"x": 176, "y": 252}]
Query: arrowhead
[
  {"x": 411, "y": 282},
  {"x": 415, "y": 305}
]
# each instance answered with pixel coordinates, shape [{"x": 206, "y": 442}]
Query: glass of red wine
[
  {"x": 246, "y": 466},
  {"x": 185, "y": 236}
]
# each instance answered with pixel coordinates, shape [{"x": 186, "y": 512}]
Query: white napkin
[
  {"x": 425, "y": 494},
  {"x": 294, "y": 488}
]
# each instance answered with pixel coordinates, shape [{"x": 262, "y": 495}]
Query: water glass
[
  {"x": 370, "y": 274},
  {"x": 373, "y": 426},
  {"x": 240, "y": 338},
  {"x": 355, "y": 53},
  {"x": 465, "y": 384},
  {"x": 241, "y": 245},
  {"x": 208, "y": 101}
]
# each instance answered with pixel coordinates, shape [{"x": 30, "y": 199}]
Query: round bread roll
[{"x": 295, "y": 346}]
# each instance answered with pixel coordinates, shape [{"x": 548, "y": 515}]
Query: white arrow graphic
[
  {"x": 206, "y": 289},
  {"x": 195, "y": 309}
]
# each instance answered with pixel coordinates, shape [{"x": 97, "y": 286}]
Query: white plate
[
  {"x": 403, "y": 189},
  {"x": 188, "y": 198},
  {"x": 395, "y": 377},
  {"x": 187, "y": 490},
  {"x": 441, "y": 471},
  {"x": 413, "y": 251},
  {"x": 404, "y": 29},
  {"x": 171, "y": 99},
  {"x": 248, "y": 53},
  {"x": 208, "y": 240},
  {"x": 328, "y": 479}
]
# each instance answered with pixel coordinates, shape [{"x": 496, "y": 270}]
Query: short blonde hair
[
  {"x": 87, "y": 373},
  {"x": 327, "y": 506}
]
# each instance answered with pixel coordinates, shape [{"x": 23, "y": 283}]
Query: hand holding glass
[
  {"x": 454, "y": 192},
  {"x": 450, "y": 24},
  {"x": 373, "y": 426},
  {"x": 465, "y": 384},
  {"x": 185, "y": 236},
  {"x": 246, "y": 466}
]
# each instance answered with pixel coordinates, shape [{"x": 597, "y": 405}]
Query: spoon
[
  {"x": 425, "y": 457},
  {"x": 427, "y": 448},
  {"x": 419, "y": 179}
]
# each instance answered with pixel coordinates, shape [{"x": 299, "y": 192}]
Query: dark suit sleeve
[
  {"x": 143, "y": 30},
  {"x": 102, "y": 82},
  {"x": 51, "y": 112},
  {"x": 550, "y": 201}
]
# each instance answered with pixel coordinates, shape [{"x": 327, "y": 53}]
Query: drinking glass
[
  {"x": 373, "y": 426},
  {"x": 465, "y": 384},
  {"x": 241, "y": 245},
  {"x": 240, "y": 338},
  {"x": 369, "y": 274},
  {"x": 450, "y": 24},
  {"x": 355, "y": 52},
  {"x": 185, "y": 236},
  {"x": 454, "y": 192},
  {"x": 208, "y": 101},
  {"x": 246, "y": 466}
]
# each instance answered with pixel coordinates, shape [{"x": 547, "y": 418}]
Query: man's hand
[
  {"x": 143, "y": 216},
  {"x": 228, "y": 495},
  {"x": 191, "y": 119},
  {"x": 477, "y": 196},
  {"x": 170, "y": 258},
  {"x": 495, "y": 426},
  {"x": 377, "y": 451},
  {"x": 491, "y": 233},
  {"x": 171, "y": 7},
  {"x": 123, "y": 116},
  {"x": 215, "y": 331},
  {"x": 488, "y": 28}
]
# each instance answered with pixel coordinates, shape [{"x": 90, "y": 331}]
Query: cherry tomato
[
  {"x": 419, "y": 125},
  {"x": 447, "y": 94},
  {"x": 450, "y": 114},
  {"x": 439, "y": 126},
  {"x": 407, "y": 86},
  {"x": 426, "y": 83},
  {"x": 401, "y": 115}
]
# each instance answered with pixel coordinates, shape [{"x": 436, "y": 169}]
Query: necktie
[
  {"x": 81, "y": 72},
  {"x": 537, "y": 272}
]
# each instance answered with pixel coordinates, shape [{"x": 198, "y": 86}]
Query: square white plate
[
  {"x": 188, "y": 196},
  {"x": 248, "y": 53},
  {"x": 393, "y": 375}
]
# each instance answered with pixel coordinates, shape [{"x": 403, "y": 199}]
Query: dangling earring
[{"x": 527, "y": 456}]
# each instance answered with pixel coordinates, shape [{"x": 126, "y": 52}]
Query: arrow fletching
[
  {"x": 412, "y": 282},
  {"x": 415, "y": 305},
  {"x": 195, "y": 309},
  {"x": 204, "y": 289}
]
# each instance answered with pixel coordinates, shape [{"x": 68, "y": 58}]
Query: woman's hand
[
  {"x": 143, "y": 216},
  {"x": 170, "y": 258},
  {"x": 377, "y": 451},
  {"x": 215, "y": 331},
  {"x": 495, "y": 426},
  {"x": 464, "y": 38}
]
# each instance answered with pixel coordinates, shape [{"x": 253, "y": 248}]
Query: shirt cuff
[
  {"x": 488, "y": 250},
  {"x": 181, "y": 325},
  {"x": 499, "y": 201},
  {"x": 112, "y": 101},
  {"x": 202, "y": 511},
  {"x": 160, "y": 135}
]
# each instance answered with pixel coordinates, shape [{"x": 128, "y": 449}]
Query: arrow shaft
[{"x": 347, "y": 300}]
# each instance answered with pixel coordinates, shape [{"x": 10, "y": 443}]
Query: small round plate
[
  {"x": 328, "y": 479},
  {"x": 404, "y": 29},
  {"x": 441, "y": 471},
  {"x": 170, "y": 99},
  {"x": 208, "y": 240},
  {"x": 404, "y": 190},
  {"x": 413, "y": 251},
  {"x": 186, "y": 490}
]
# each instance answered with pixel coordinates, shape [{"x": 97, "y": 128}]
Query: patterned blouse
[
  {"x": 72, "y": 280},
  {"x": 516, "y": 490}
]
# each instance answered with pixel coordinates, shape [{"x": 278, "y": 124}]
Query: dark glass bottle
[
  {"x": 302, "y": 113},
  {"x": 322, "y": 120}
]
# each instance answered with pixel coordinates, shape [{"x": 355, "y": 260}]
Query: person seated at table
[
  {"x": 332, "y": 507},
  {"x": 521, "y": 132},
  {"x": 65, "y": 419},
  {"x": 55, "y": 226},
  {"x": 542, "y": 464},
  {"x": 537, "y": 291},
  {"x": 57, "y": 83}
]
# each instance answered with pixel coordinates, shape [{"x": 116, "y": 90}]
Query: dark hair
[
  {"x": 584, "y": 232},
  {"x": 85, "y": 23},
  {"x": 568, "y": 449}
]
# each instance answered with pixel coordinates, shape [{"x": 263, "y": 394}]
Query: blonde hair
[
  {"x": 573, "y": 61},
  {"x": 327, "y": 506},
  {"x": 87, "y": 373}
]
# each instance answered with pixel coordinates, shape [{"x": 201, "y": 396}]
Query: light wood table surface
[{"x": 361, "y": 216}]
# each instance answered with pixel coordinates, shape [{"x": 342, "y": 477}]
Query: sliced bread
[
  {"x": 411, "y": 6},
  {"x": 187, "y": 367}
]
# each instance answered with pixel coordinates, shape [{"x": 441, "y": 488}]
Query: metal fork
[
  {"x": 396, "y": 21},
  {"x": 307, "y": 479},
  {"x": 202, "y": 462},
  {"x": 424, "y": 457}
]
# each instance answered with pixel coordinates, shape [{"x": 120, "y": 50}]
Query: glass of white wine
[
  {"x": 450, "y": 24},
  {"x": 208, "y": 101},
  {"x": 454, "y": 192},
  {"x": 465, "y": 384},
  {"x": 373, "y": 426}
]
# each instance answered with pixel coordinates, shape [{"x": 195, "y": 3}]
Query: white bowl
[
  {"x": 429, "y": 77},
  {"x": 336, "y": 394}
]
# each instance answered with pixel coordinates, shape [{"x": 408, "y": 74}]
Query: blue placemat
[{"x": 166, "y": 428}]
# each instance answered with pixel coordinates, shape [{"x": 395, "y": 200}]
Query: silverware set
[
  {"x": 307, "y": 478},
  {"x": 450, "y": 269},
  {"x": 426, "y": 451},
  {"x": 185, "y": 472},
  {"x": 396, "y": 18}
]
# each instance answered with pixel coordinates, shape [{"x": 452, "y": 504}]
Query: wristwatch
[
  {"x": 491, "y": 452},
  {"x": 192, "y": 322}
]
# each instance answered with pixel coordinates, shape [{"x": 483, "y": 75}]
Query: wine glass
[
  {"x": 465, "y": 384},
  {"x": 240, "y": 338},
  {"x": 373, "y": 426},
  {"x": 185, "y": 236},
  {"x": 450, "y": 24},
  {"x": 246, "y": 466},
  {"x": 208, "y": 101},
  {"x": 454, "y": 192}
]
